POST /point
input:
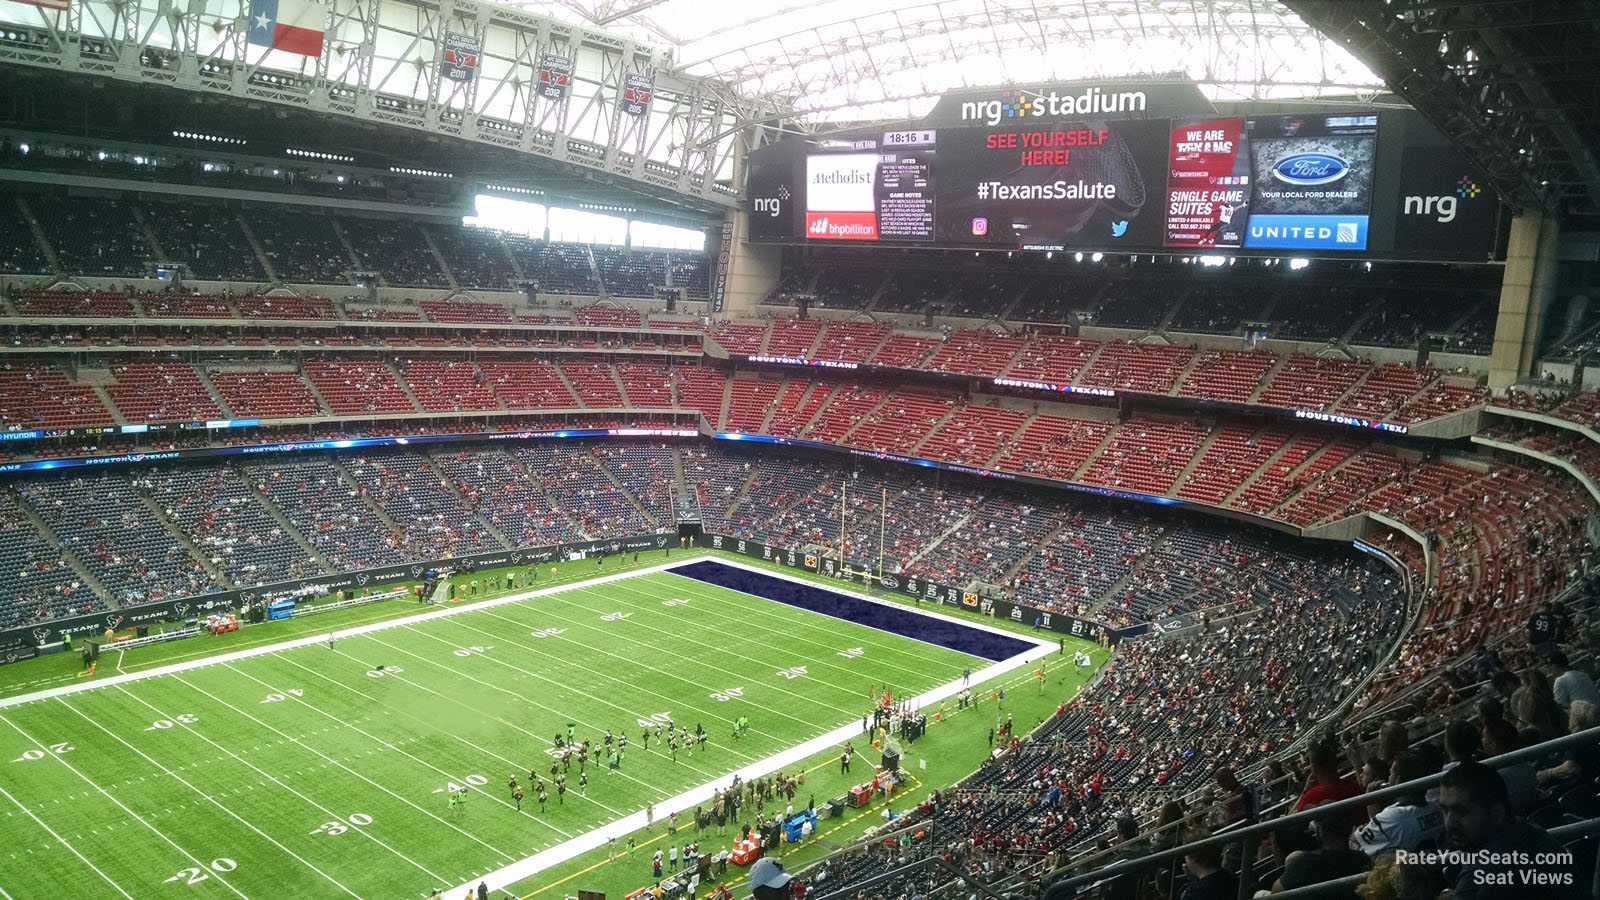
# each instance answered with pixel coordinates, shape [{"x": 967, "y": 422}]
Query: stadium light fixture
[
  {"x": 24, "y": 148},
  {"x": 1078, "y": 257},
  {"x": 1098, "y": 256},
  {"x": 1298, "y": 263},
  {"x": 1049, "y": 254}
]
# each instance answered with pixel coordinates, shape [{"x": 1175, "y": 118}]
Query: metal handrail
[
  {"x": 1358, "y": 803},
  {"x": 1342, "y": 886}
]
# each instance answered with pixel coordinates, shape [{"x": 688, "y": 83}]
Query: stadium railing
[{"x": 1064, "y": 883}]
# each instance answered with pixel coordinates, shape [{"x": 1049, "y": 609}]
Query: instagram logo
[{"x": 980, "y": 226}]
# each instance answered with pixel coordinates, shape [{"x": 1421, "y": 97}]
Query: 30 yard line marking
[
  {"x": 267, "y": 775},
  {"x": 213, "y": 801},
  {"x": 63, "y": 842},
  {"x": 140, "y": 819},
  {"x": 300, "y": 743}
]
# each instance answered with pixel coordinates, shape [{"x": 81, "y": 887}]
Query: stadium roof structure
[
  {"x": 1513, "y": 81},
  {"x": 854, "y": 60}
]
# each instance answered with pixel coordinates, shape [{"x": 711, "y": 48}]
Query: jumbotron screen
[{"x": 1343, "y": 183}]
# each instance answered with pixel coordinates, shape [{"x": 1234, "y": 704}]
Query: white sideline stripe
[
  {"x": 570, "y": 849},
  {"x": 322, "y": 637}
]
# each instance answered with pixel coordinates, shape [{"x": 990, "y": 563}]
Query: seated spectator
[
  {"x": 1535, "y": 704},
  {"x": 1582, "y": 763},
  {"x": 1410, "y": 822},
  {"x": 1332, "y": 858},
  {"x": 1461, "y": 742},
  {"x": 1568, "y": 684},
  {"x": 1324, "y": 784},
  {"x": 1478, "y": 818},
  {"x": 1208, "y": 880},
  {"x": 1522, "y": 780},
  {"x": 1391, "y": 881},
  {"x": 1131, "y": 847}
]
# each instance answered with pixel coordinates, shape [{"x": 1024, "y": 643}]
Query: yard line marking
[
  {"x": 803, "y": 621},
  {"x": 519, "y": 697},
  {"x": 294, "y": 740},
  {"x": 495, "y": 797},
  {"x": 63, "y": 842},
  {"x": 568, "y": 850},
  {"x": 269, "y": 777},
  {"x": 516, "y": 766},
  {"x": 718, "y": 651},
  {"x": 154, "y": 830},
  {"x": 636, "y": 665},
  {"x": 322, "y": 637}
]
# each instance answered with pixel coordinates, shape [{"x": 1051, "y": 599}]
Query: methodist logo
[
  {"x": 1019, "y": 104},
  {"x": 1309, "y": 169}
]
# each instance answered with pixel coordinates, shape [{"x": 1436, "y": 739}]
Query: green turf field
[{"x": 309, "y": 772}]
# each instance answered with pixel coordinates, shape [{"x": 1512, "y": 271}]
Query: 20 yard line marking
[
  {"x": 63, "y": 842},
  {"x": 298, "y": 742},
  {"x": 208, "y": 797},
  {"x": 270, "y": 777},
  {"x": 141, "y": 820}
]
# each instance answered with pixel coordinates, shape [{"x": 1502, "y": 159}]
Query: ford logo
[{"x": 1310, "y": 168}]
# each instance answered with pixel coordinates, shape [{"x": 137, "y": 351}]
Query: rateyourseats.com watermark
[{"x": 1511, "y": 867}]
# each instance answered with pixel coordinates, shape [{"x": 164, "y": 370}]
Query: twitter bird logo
[{"x": 1118, "y": 229}]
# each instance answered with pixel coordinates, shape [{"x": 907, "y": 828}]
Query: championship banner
[
  {"x": 719, "y": 288},
  {"x": 636, "y": 93},
  {"x": 459, "y": 60},
  {"x": 555, "y": 76}
]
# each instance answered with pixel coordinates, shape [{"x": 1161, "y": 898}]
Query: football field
[{"x": 320, "y": 768}]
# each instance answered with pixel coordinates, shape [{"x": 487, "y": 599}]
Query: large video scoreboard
[{"x": 1034, "y": 172}]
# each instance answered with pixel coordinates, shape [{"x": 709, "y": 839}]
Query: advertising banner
[
  {"x": 1208, "y": 183},
  {"x": 1311, "y": 181}
]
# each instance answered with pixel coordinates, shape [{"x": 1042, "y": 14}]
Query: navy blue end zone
[{"x": 904, "y": 622}]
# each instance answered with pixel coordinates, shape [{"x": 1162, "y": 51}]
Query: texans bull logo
[{"x": 363, "y": 578}]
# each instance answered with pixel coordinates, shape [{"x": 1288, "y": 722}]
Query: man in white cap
[{"x": 768, "y": 880}]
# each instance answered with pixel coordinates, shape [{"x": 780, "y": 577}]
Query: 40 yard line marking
[
  {"x": 140, "y": 819},
  {"x": 175, "y": 776},
  {"x": 63, "y": 842}
]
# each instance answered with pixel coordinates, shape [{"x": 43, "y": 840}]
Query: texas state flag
[{"x": 294, "y": 26}]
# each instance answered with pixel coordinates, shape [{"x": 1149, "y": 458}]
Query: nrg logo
[
  {"x": 772, "y": 206},
  {"x": 1442, "y": 208}
]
